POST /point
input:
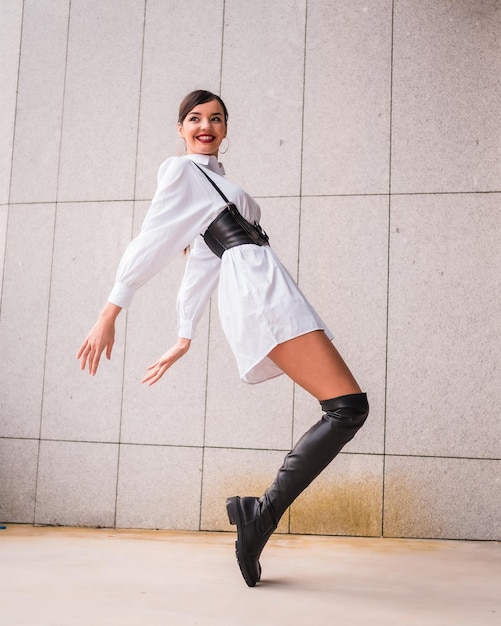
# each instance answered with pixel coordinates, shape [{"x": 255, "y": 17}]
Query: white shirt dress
[{"x": 259, "y": 303}]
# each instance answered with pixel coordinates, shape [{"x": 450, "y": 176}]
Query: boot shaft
[{"x": 316, "y": 449}]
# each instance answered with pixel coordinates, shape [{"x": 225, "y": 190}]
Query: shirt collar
[{"x": 210, "y": 161}]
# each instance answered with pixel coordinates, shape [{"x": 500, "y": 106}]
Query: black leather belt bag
[{"x": 230, "y": 228}]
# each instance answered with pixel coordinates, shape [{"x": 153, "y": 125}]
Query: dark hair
[{"x": 194, "y": 98}]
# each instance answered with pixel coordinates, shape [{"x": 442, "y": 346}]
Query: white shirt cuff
[
  {"x": 185, "y": 329},
  {"x": 121, "y": 295}
]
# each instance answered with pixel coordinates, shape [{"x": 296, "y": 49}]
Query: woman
[{"x": 269, "y": 324}]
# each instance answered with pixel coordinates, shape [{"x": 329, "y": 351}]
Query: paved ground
[{"x": 68, "y": 576}]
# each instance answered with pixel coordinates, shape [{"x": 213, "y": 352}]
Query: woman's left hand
[{"x": 158, "y": 369}]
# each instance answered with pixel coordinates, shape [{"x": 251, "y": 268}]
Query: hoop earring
[
  {"x": 182, "y": 151},
  {"x": 227, "y": 146}
]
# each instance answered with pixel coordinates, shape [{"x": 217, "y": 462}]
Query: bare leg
[{"x": 313, "y": 362}]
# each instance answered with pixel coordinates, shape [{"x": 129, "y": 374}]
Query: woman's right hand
[{"x": 101, "y": 337}]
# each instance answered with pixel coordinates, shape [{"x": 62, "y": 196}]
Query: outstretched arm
[
  {"x": 199, "y": 281},
  {"x": 101, "y": 337},
  {"x": 173, "y": 220}
]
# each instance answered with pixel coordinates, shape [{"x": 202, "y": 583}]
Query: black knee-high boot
[{"x": 257, "y": 518}]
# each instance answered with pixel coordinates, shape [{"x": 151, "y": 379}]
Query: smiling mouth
[{"x": 206, "y": 138}]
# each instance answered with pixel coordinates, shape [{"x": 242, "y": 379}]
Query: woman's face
[{"x": 204, "y": 128}]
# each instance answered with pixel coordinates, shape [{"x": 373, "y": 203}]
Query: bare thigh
[{"x": 313, "y": 362}]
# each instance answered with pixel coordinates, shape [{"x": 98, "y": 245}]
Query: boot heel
[{"x": 232, "y": 510}]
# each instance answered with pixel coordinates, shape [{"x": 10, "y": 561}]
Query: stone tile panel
[
  {"x": 87, "y": 249},
  {"x": 446, "y": 96},
  {"x": 10, "y": 40},
  {"x": 18, "y": 469},
  {"x": 446, "y": 498},
  {"x": 159, "y": 487},
  {"x": 101, "y": 104},
  {"x": 39, "y": 113},
  {"x": 76, "y": 484},
  {"x": 444, "y": 396},
  {"x": 346, "y": 128},
  {"x": 23, "y": 324}
]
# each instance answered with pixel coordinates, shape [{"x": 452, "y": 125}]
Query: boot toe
[{"x": 250, "y": 569}]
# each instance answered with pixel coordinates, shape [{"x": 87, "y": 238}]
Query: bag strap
[{"x": 212, "y": 183}]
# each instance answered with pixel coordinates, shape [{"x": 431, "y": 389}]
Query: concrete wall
[{"x": 369, "y": 131}]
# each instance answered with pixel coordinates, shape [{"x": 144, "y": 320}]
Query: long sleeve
[
  {"x": 180, "y": 210},
  {"x": 200, "y": 279}
]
